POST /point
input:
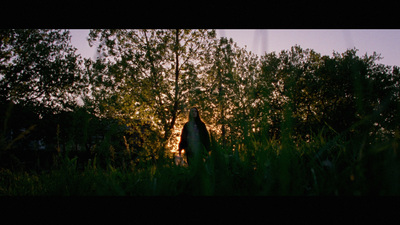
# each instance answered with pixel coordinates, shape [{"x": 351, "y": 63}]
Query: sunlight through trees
[{"x": 138, "y": 92}]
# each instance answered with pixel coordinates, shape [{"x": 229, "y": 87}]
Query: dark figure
[{"x": 194, "y": 138}]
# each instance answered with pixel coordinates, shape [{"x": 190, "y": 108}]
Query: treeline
[
  {"x": 137, "y": 93},
  {"x": 158, "y": 75}
]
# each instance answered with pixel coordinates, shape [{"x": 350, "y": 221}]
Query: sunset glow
[{"x": 197, "y": 112}]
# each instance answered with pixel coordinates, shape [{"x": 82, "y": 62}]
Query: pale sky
[{"x": 384, "y": 42}]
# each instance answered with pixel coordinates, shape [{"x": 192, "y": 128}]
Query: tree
[
  {"x": 285, "y": 98},
  {"x": 39, "y": 67},
  {"x": 230, "y": 90},
  {"x": 269, "y": 103},
  {"x": 148, "y": 75},
  {"x": 365, "y": 91},
  {"x": 347, "y": 94}
]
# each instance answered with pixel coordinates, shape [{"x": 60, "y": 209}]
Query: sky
[{"x": 384, "y": 42}]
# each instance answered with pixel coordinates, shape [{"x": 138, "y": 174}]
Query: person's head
[{"x": 194, "y": 114}]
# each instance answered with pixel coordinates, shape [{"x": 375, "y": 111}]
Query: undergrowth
[{"x": 259, "y": 166}]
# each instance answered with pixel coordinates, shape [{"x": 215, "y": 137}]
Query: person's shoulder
[{"x": 202, "y": 123}]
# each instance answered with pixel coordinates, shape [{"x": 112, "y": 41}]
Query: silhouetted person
[{"x": 194, "y": 138}]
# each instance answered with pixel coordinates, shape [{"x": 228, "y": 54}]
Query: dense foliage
[
  {"x": 293, "y": 122},
  {"x": 39, "y": 67}
]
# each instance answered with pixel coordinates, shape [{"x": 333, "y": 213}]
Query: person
[{"x": 195, "y": 139}]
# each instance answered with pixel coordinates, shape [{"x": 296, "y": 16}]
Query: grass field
[{"x": 259, "y": 166}]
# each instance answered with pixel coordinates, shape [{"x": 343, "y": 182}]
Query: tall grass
[{"x": 258, "y": 166}]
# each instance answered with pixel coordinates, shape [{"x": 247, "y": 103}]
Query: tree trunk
[
  {"x": 174, "y": 112},
  {"x": 221, "y": 107}
]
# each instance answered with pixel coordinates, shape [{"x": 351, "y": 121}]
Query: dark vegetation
[{"x": 293, "y": 123}]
